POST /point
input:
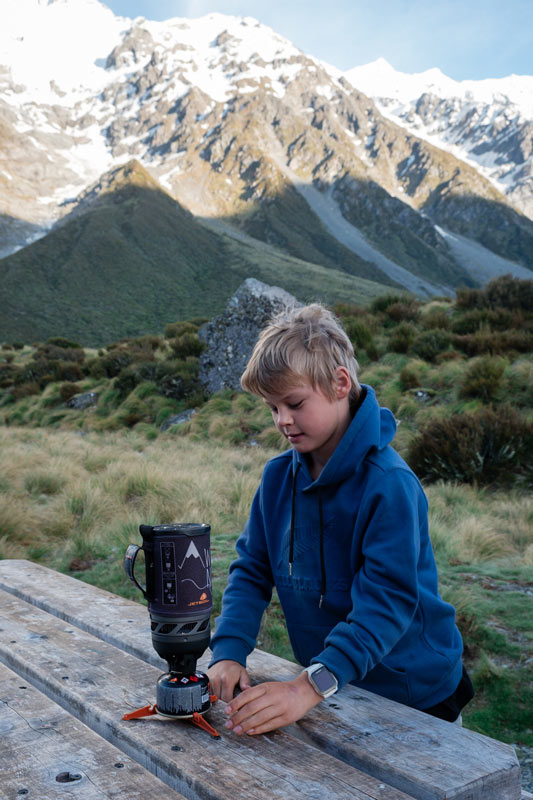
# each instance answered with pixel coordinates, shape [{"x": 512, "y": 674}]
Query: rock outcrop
[
  {"x": 82, "y": 401},
  {"x": 230, "y": 337}
]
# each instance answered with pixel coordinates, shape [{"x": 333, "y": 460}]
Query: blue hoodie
[{"x": 350, "y": 556}]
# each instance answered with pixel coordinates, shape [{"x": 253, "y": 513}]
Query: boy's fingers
[
  {"x": 251, "y": 717},
  {"x": 226, "y": 689},
  {"x": 244, "y": 681},
  {"x": 248, "y": 695},
  {"x": 265, "y": 727}
]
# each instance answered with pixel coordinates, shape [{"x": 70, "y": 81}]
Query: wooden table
[{"x": 76, "y": 658}]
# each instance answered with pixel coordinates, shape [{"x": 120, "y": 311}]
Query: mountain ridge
[
  {"x": 235, "y": 124},
  {"x": 486, "y": 123},
  {"x": 161, "y": 265}
]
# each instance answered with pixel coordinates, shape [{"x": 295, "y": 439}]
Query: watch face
[{"x": 323, "y": 679}]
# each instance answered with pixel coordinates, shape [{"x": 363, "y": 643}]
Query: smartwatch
[{"x": 322, "y": 680}]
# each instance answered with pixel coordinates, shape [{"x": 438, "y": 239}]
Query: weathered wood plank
[
  {"x": 46, "y": 753},
  {"x": 425, "y": 757},
  {"x": 421, "y": 755},
  {"x": 96, "y": 682},
  {"x": 108, "y": 616}
]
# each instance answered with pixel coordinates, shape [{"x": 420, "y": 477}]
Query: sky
[{"x": 466, "y": 39}]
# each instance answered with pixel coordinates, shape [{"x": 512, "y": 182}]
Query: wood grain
[
  {"x": 423, "y": 756},
  {"x": 46, "y": 753},
  {"x": 96, "y": 683}
]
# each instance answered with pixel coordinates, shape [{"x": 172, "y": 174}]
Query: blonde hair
[{"x": 306, "y": 343}]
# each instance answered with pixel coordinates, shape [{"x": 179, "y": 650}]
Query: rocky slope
[
  {"x": 488, "y": 124},
  {"x": 243, "y": 130}
]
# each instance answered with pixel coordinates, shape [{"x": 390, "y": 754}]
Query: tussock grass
[
  {"x": 108, "y": 484},
  {"x": 99, "y": 488},
  {"x": 47, "y": 483},
  {"x": 470, "y": 525},
  {"x": 19, "y": 525}
]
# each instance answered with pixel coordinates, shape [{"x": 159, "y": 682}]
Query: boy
[{"x": 339, "y": 527}]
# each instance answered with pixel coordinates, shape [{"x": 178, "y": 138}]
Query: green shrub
[
  {"x": 67, "y": 371},
  {"x": 187, "y": 344},
  {"x": 17, "y": 345},
  {"x": 123, "y": 353},
  {"x": 486, "y": 448},
  {"x": 429, "y": 344},
  {"x": 358, "y": 332},
  {"x": 68, "y": 390},
  {"x": 126, "y": 381},
  {"x": 344, "y": 310},
  {"x": 175, "y": 329},
  {"x": 436, "y": 318},
  {"x": 59, "y": 341},
  {"x": 520, "y": 383},
  {"x": 483, "y": 378},
  {"x": 180, "y": 379},
  {"x": 95, "y": 368},
  {"x": 409, "y": 378},
  {"x": 503, "y": 292},
  {"x": 173, "y": 378},
  {"x": 494, "y": 343},
  {"x": 402, "y": 338},
  {"x": 382, "y": 303},
  {"x": 26, "y": 389},
  {"x": 36, "y": 371},
  {"x": 115, "y": 360},
  {"x": 500, "y": 319},
  {"x": 7, "y": 375},
  {"x": 509, "y": 292},
  {"x": 148, "y": 342},
  {"x": 372, "y": 352},
  {"x": 53, "y": 352},
  {"x": 403, "y": 311},
  {"x": 43, "y": 371}
]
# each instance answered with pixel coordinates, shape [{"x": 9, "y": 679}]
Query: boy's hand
[
  {"x": 224, "y": 676},
  {"x": 271, "y": 705}
]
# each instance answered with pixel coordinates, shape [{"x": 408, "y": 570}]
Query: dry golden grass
[
  {"x": 471, "y": 526},
  {"x": 64, "y": 492},
  {"x": 64, "y": 496}
]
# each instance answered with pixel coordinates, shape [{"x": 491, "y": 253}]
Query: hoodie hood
[{"x": 372, "y": 428}]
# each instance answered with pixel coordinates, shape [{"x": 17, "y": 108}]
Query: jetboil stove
[{"x": 178, "y": 591}]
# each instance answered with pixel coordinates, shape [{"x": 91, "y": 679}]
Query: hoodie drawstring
[
  {"x": 321, "y": 525},
  {"x": 322, "y": 561},
  {"x": 293, "y": 506}
]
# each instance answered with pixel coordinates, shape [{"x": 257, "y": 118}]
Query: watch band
[{"x": 322, "y": 680}]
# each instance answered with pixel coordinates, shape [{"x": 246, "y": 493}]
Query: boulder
[
  {"x": 230, "y": 337},
  {"x": 82, "y": 401},
  {"x": 177, "y": 419}
]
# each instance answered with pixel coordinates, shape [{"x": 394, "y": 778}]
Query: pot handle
[{"x": 129, "y": 565}]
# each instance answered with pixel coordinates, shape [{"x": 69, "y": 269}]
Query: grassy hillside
[
  {"x": 453, "y": 373},
  {"x": 132, "y": 258}
]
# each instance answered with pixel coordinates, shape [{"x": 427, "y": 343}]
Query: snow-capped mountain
[
  {"x": 242, "y": 128},
  {"x": 487, "y": 123}
]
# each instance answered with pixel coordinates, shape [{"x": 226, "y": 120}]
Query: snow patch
[{"x": 380, "y": 79}]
